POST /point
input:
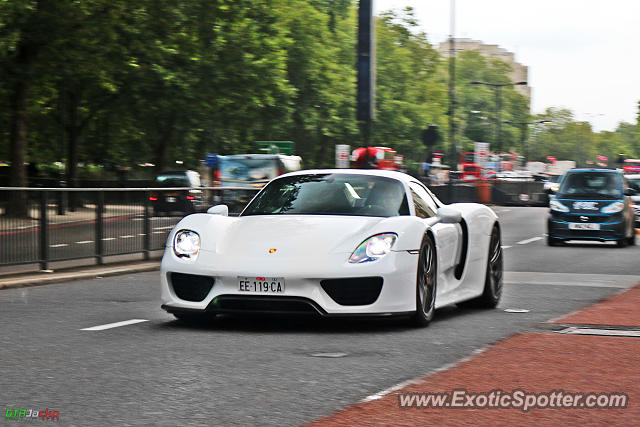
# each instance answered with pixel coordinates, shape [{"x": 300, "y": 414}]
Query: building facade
[{"x": 519, "y": 73}]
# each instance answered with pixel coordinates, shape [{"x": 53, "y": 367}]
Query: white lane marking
[
  {"x": 59, "y": 245},
  {"x": 84, "y": 242},
  {"x": 533, "y": 239},
  {"x": 160, "y": 232},
  {"x": 596, "y": 331},
  {"x": 114, "y": 325},
  {"x": 420, "y": 380},
  {"x": 108, "y": 238},
  {"x": 168, "y": 227},
  {"x": 506, "y": 247},
  {"x": 130, "y": 236}
]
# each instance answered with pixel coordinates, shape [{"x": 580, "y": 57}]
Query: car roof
[{"x": 400, "y": 176}]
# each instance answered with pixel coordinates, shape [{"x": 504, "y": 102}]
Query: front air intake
[
  {"x": 353, "y": 291},
  {"x": 191, "y": 287}
]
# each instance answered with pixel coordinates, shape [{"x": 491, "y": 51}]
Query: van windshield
[
  {"x": 596, "y": 184},
  {"x": 248, "y": 169}
]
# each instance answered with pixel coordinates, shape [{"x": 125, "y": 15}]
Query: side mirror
[
  {"x": 449, "y": 215},
  {"x": 219, "y": 210},
  {"x": 630, "y": 191}
]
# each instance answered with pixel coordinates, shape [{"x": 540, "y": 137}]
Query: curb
[{"x": 57, "y": 277}]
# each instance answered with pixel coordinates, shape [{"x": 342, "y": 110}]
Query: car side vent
[
  {"x": 191, "y": 287},
  {"x": 353, "y": 291}
]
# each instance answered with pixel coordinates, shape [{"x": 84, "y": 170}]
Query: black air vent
[
  {"x": 353, "y": 291},
  {"x": 191, "y": 287}
]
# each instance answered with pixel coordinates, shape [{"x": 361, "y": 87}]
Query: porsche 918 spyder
[{"x": 335, "y": 243}]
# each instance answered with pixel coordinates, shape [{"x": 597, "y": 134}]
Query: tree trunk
[
  {"x": 25, "y": 64},
  {"x": 164, "y": 141},
  {"x": 73, "y": 132}
]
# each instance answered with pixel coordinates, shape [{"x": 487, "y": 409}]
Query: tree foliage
[{"x": 117, "y": 83}]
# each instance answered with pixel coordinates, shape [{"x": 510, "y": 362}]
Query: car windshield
[
  {"x": 248, "y": 169},
  {"x": 331, "y": 194},
  {"x": 172, "y": 180},
  {"x": 592, "y": 184}
]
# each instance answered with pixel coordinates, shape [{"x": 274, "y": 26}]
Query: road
[{"x": 262, "y": 370}]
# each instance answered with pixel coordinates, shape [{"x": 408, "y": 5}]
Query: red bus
[
  {"x": 631, "y": 166},
  {"x": 376, "y": 157},
  {"x": 470, "y": 170}
]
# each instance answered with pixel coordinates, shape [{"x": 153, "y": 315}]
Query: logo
[
  {"x": 272, "y": 250},
  {"x": 585, "y": 206},
  {"x": 584, "y": 218}
]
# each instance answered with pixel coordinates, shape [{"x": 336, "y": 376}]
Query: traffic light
[{"x": 431, "y": 136}]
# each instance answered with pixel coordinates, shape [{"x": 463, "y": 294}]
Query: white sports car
[{"x": 335, "y": 242}]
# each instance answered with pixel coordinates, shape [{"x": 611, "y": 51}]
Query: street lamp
[
  {"x": 522, "y": 133},
  {"x": 498, "y": 93}
]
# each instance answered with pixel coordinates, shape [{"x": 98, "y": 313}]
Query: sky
[{"x": 583, "y": 55}]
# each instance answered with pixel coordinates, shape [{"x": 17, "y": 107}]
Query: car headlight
[
  {"x": 186, "y": 244},
  {"x": 613, "y": 208},
  {"x": 373, "y": 248},
  {"x": 555, "y": 205}
]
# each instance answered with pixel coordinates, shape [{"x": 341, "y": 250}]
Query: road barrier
[
  {"x": 96, "y": 223},
  {"x": 497, "y": 192}
]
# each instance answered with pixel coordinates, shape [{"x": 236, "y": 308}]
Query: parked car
[
  {"x": 592, "y": 204},
  {"x": 187, "y": 197}
]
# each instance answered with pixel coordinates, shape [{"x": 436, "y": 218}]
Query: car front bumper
[
  {"x": 612, "y": 227},
  {"x": 304, "y": 292}
]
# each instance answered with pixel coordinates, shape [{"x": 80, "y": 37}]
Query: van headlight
[
  {"x": 613, "y": 208},
  {"x": 555, "y": 205},
  {"x": 186, "y": 244}
]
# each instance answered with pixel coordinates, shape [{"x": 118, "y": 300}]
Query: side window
[
  {"x": 422, "y": 196},
  {"x": 423, "y": 203}
]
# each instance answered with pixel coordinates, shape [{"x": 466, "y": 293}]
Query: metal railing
[{"x": 96, "y": 223}]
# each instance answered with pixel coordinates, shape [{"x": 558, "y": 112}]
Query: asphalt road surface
[{"x": 153, "y": 370}]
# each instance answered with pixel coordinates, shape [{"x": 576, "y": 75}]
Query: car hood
[{"x": 291, "y": 235}]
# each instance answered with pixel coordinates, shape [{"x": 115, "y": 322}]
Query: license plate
[
  {"x": 261, "y": 285},
  {"x": 583, "y": 226},
  {"x": 171, "y": 199}
]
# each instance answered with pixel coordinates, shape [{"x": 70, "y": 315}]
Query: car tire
[
  {"x": 553, "y": 241},
  {"x": 632, "y": 240},
  {"x": 426, "y": 283},
  {"x": 622, "y": 243},
  {"x": 493, "y": 281}
]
